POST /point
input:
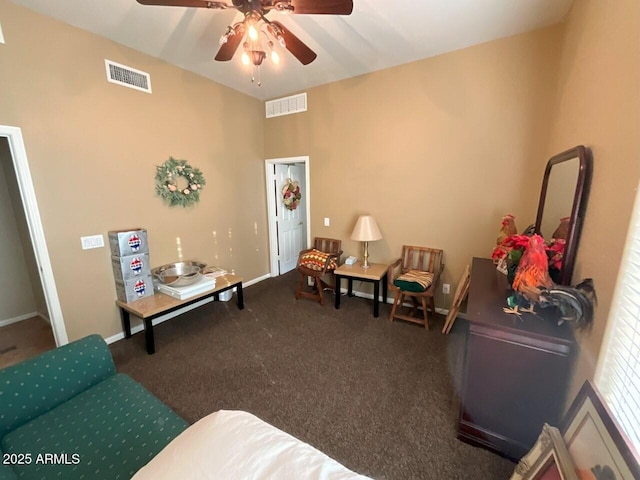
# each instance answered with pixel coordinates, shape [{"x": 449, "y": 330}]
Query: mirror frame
[{"x": 578, "y": 208}]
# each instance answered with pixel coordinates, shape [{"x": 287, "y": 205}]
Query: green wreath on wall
[{"x": 179, "y": 183}]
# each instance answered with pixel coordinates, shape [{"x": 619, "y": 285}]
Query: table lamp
[{"x": 366, "y": 230}]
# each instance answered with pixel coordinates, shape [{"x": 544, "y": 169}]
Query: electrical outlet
[
  {"x": 93, "y": 241},
  {"x": 327, "y": 221},
  {"x": 446, "y": 288}
]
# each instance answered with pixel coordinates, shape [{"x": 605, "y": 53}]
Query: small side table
[{"x": 376, "y": 274}]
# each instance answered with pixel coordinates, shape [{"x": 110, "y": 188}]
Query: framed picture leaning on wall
[
  {"x": 597, "y": 445},
  {"x": 549, "y": 459}
]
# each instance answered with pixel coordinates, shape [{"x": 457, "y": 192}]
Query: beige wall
[
  {"x": 437, "y": 150},
  {"x": 93, "y": 147},
  {"x": 16, "y": 294},
  {"x": 598, "y": 104}
]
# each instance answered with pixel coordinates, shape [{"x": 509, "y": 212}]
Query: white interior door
[{"x": 290, "y": 224}]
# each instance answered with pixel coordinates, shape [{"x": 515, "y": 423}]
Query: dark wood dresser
[{"x": 516, "y": 369}]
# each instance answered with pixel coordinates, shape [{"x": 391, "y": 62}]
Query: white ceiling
[{"x": 378, "y": 34}]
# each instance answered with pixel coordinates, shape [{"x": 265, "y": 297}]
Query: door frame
[
  {"x": 36, "y": 231},
  {"x": 271, "y": 207}
]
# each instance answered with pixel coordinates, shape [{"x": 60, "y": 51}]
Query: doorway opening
[
  {"x": 31, "y": 321},
  {"x": 289, "y": 229}
]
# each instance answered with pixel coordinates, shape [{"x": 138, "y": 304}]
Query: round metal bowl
[{"x": 179, "y": 274}]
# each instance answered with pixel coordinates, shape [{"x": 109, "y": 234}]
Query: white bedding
[{"x": 236, "y": 445}]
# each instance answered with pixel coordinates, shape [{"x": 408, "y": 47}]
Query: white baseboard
[
  {"x": 164, "y": 318},
  {"x": 442, "y": 311},
  {"x": 45, "y": 317},
  {"x": 256, "y": 280},
  {"x": 26, "y": 316}
]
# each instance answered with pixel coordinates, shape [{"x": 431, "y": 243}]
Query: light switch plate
[
  {"x": 327, "y": 221},
  {"x": 1, "y": 35},
  {"x": 92, "y": 241}
]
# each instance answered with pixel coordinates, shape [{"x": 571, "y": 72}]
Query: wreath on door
[
  {"x": 291, "y": 194},
  {"x": 178, "y": 182}
]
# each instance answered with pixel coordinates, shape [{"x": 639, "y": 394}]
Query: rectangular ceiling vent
[
  {"x": 127, "y": 76},
  {"x": 287, "y": 105}
]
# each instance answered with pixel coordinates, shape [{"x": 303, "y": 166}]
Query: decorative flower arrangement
[
  {"x": 291, "y": 194},
  {"x": 178, "y": 182}
]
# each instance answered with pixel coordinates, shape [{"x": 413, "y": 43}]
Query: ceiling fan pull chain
[{"x": 255, "y": 72}]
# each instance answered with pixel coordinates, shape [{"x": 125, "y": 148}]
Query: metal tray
[{"x": 179, "y": 274}]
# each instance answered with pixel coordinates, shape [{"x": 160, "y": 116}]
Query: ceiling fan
[{"x": 255, "y": 23}]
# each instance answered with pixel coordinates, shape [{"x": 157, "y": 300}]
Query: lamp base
[{"x": 365, "y": 264}]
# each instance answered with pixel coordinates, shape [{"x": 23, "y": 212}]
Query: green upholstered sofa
[{"x": 67, "y": 414}]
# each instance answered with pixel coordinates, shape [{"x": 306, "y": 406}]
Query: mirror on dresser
[{"x": 563, "y": 200}]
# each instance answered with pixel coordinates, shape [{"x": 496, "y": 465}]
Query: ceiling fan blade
[
  {"x": 320, "y": 7},
  {"x": 297, "y": 48},
  {"x": 227, "y": 50},
  {"x": 185, "y": 3}
]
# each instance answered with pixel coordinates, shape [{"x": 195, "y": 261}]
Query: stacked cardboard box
[{"x": 130, "y": 262}]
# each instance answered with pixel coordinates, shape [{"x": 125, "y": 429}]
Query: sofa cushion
[
  {"x": 115, "y": 428},
  {"x": 6, "y": 472},
  {"x": 35, "y": 386}
]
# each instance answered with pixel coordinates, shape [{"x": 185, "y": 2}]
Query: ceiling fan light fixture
[
  {"x": 275, "y": 57},
  {"x": 245, "y": 58},
  {"x": 284, "y": 7},
  {"x": 257, "y": 56},
  {"x": 277, "y": 34},
  {"x": 253, "y": 32},
  {"x": 225, "y": 37}
]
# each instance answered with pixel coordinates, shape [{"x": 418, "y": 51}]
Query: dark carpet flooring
[{"x": 379, "y": 397}]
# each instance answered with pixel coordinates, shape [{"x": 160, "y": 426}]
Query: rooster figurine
[
  {"x": 576, "y": 304},
  {"x": 533, "y": 268},
  {"x": 508, "y": 228}
]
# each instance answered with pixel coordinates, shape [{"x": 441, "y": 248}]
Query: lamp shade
[{"x": 366, "y": 229}]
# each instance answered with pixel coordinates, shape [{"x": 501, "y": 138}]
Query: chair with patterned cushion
[
  {"x": 315, "y": 263},
  {"x": 415, "y": 276}
]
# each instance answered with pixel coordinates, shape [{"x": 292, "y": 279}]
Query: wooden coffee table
[
  {"x": 150, "y": 308},
  {"x": 376, "y": 274}
]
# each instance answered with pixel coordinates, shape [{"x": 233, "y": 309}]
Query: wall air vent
[
  {"x": 286, "y": 105},
  {"x": 127, "y": 76}
]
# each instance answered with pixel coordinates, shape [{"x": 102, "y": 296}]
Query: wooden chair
[
  {"x": 420, "y": 263},
  {"x": 315, "y": 267}
]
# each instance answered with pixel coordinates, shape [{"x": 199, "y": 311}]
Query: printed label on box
[
  {"x": 134, "y": 243},
  {"x": 136, "y": 266},
  {"x": 140, "y": 288}
]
